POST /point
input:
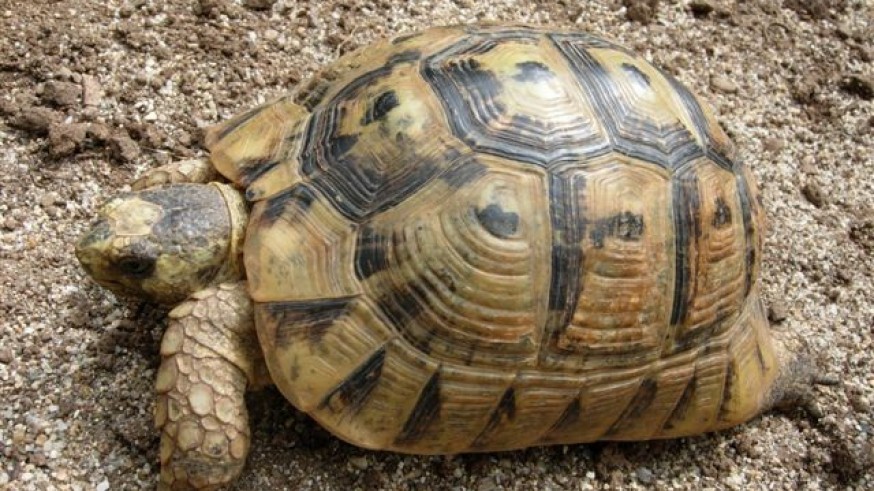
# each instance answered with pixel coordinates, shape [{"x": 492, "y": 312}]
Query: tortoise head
[{"x": 163, "y": 244}]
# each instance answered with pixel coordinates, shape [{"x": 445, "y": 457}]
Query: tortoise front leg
[
  {"x": 210, "y": 355},
  {"x": 198, "y": 171}
]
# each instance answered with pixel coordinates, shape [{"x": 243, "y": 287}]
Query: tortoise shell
[{"x": 486, "y": 238}]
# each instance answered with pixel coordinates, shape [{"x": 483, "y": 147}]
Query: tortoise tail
[{"x": 794, "y": 386}]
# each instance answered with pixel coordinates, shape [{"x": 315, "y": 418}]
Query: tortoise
[{"x": 467, "y": 239}]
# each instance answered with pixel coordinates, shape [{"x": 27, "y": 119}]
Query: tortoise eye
[{"x": 136, "y": 266}]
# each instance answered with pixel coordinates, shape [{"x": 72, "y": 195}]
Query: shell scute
[
  {"x": 259, "y": 147},
  {"x": 613, "y": 308},
  {"x": 435, "y": 246},
  {"x": 377, "y": 141},
  {"x": 511, "y": 99}
]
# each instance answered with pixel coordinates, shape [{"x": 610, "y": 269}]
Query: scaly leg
[
  {"x": 182, "y": 171},
  {"x": 210, "y": 355}
]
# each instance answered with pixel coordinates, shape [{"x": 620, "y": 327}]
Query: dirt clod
[
  {"x": 123, "y": 148},
  {"x": 99, "y": 132},
  {"x": 63, "y": 94},
  {"x": 64, "y": 139},
  {"x": 700, "y": 9},
  {"x": 643, "y": 11},
  {"x": 259, "y": 4},
  {"x": 8, "y": 108},
  {"x": 147, "y": 134},
  {"x": 848, "y": 465},
  {"x": 212, "y": 8},
  {"x": 37, "y": 119}
]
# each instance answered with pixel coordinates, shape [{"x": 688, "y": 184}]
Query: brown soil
[{"x": 94, "y": 93}]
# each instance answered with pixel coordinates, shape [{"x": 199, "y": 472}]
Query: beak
[{"x": 89, "y": 249}]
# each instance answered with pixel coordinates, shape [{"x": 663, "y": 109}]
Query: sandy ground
[{"x": 93, "y": 93}]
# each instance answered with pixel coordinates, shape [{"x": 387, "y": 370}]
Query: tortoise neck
[{"x": 238, "y": 213}]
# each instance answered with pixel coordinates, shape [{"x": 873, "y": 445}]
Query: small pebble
[
  {"x": 19, "y": 433},
  {"x": 777, "y": 312},
  {"x": 62, "y": 475},
  {"x": 724, "y": 84},
  {"x": 271, "y": 34},
  {"x": 359, "y": 462},
  {"x": 53, "y": 211},
  {"x": 813, "y": 193},
  {"x": 808, "y": 164},
  {"x": 10, "y": 223},
  {"x": 773, "y": 145},
  {"x": 39, "y": 459},
  {"x": 644, "y": 475},
  {"x": 487, "y": 484},
  {"x": 64, "y": 73},
  {"x": 49, "y": 199},
  {"x": 6, "y": 356},
  {"x": 103, "y": 486},
  {"x": 92, "y": 93}
]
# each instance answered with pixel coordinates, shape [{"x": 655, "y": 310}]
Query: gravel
[{"x": 94, "y": 93}]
